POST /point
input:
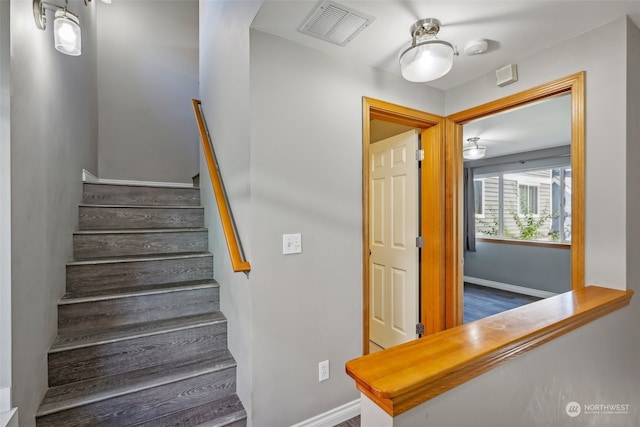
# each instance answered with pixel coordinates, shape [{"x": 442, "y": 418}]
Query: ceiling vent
[{"x": 335, "y": 23}]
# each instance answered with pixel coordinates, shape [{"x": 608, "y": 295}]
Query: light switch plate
[{"x": 291, "y": 244}]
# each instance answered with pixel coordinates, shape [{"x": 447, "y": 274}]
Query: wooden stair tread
[
  {"x": 94, "y": 205},
  {"x": 221, "y": 413},
  {"x": 107, "y": 294},
  {"x": 139, "y": 231},
  {"x": 139, "y": 258},
  {"x": 172, "y": 186},
  {"x": 93, "y": 390},
  {"x": 141, "y": 340},
  {"x": 121, "y": 333},
  {"x": 141, "y": 195}
]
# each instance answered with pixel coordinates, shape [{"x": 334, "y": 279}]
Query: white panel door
[{"x": 393, "y": 222}]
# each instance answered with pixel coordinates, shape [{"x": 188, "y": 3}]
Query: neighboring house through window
[{"x": 533, "y": 204}]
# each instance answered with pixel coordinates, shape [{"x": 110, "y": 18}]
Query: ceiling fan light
[{"x": 66, "y": 33}]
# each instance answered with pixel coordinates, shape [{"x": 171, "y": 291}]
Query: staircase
[{"x": 141, "y": 340}]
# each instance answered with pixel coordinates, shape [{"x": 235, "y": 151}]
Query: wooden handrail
[
  {"x": 403, "y": 377},
  {"x": 238, "y": 261}
]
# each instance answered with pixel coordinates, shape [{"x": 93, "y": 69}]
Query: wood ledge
[{"x": 403, "y": 377}]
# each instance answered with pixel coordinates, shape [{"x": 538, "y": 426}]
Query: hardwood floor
[{"x": 481, "y": 301}]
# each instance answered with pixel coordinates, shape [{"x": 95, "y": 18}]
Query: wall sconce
[{"x": 67, "y": 34}]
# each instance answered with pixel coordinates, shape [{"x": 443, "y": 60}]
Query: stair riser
[
  {"x": 127, "y": 274},
  {"x": 100, "y": 194},
  {"x": 122, "y": 218},
  {"x": 135, "y": 353},
  {"x": 138, "y": 407},
  {"x": 96, "y": 315},
  {"x": 87, "y": 246}
]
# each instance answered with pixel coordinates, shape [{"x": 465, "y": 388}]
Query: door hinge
[
  {"x": 419, "y": 242},
  {"x": 419, "y": 154},
  {"x": 419, "y": 329}
]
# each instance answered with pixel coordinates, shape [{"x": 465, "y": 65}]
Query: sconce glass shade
[
  {"x": 426, "y": 61},
  {"x": 66, "y": 33},
  {"x": 473, "y": 151}
]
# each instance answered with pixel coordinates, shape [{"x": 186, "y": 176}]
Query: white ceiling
[
  {"x": 515, "y": 28},
  {"x": 539, "y": 125}
]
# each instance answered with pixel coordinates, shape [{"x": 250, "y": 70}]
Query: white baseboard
[
  {"x": 511, "y": 288},
  {"x": 9, "y": 418},
  {"x": 91, "y": 178},
  {"x": 334, "y": 416}
]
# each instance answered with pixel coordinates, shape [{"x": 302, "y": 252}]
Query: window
[
  {"x": 532, "y": 205},
  {"x": 478, "y": 192},
  {"x": 528, "y": 199}
]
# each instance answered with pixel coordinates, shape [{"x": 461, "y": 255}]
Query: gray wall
[
  {"x": 5, "y": 203},
  {"x": 147, "y": 76},
  {"x": 542, "y": 268},
  {"x": 633, "y": 156},
  {"x": 306, "y": 177},
  {"x": 224, "y": 91},
  {"x": 54, "y": 134},
  {"x": 633, "y": 197},
  {"x": 597, "y": 363},
  {"x": 274, "y": 142}
]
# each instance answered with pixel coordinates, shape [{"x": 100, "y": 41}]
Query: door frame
[
  {"x": 573, "y": 84},
  {"x": 432, "y": 208}
]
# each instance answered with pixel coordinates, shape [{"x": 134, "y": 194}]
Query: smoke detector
[{"x": 476, "y": 47}]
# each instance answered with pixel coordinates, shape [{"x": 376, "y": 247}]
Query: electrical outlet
[{"x": 323, "y": 371}]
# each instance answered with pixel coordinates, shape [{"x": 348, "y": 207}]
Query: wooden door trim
[
  {"x": 433, "y": 214},
  {"x": 574, "y": 85},
  {"x": 432, "y": 277}
]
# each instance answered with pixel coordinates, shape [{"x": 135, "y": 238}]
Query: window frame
[{"x": 500, "y": 176}]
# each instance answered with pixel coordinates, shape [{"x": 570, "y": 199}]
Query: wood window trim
[{"x": 403, "y": 377}]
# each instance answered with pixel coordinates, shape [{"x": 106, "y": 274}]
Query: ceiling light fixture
[
  {"x": 473, "y": 151},
  {"x": 66, "y": 25},
  {"x": 426, "y": 58}
]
